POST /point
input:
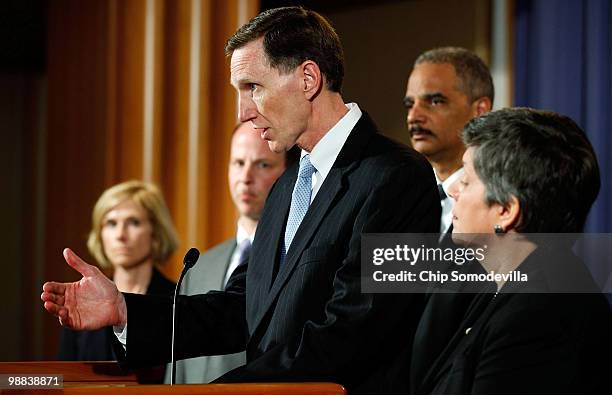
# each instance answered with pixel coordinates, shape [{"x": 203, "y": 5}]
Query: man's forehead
[
  {"x": 244, "y": 59},
  {"x": 429, "y": 79},
  {"x": 247, "y": 136},
  {"x": 435, "y": 68}
]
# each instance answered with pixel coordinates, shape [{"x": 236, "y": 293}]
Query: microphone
[{"x": 189, "y": 261}]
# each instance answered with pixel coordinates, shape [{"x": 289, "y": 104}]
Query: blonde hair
[{"x": 149, "y": 197}]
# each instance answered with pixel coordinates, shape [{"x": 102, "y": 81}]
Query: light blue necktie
[{"x": 300, "y": 200}]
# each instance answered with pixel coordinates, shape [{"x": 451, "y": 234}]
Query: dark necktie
[{"x": 441, "y": 192}]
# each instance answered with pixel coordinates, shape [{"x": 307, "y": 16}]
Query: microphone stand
[{"x": 188, "y": 262}]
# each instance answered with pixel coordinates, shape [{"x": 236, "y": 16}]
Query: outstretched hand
[{"x": 90, "y": 303}]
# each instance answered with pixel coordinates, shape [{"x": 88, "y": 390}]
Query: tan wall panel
[
  {"x": 130, "y": 87},
  {"x": 76, "y": 127},
  {"x": 158, "y": 91},
  {"x": 222, "y": 121},
  {"x": 174, "y": 137},
  {"x": 198, "y": 193}
]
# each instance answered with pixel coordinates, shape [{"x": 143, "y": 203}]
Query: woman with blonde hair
[{"x": 131, "y": 235}]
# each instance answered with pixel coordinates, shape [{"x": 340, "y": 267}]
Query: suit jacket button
[{"x": 467, "y": 331}]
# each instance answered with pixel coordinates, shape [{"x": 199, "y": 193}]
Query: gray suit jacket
[{"x": 207, "y": 275}]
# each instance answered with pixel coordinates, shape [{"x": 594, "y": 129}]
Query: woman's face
[
  {"x": 127, "y": 235},
  {"x": 471, "y": 213}
]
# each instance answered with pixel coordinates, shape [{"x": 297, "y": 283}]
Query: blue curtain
[{"x": 563, "y": 63}]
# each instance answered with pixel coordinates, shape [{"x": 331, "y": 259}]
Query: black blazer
[
  {"x": 96, "y": 345},
  {"x": 520, "y": 341},
  {"x": 309, "y": 320},
  {"x": 445, "y": 308}
]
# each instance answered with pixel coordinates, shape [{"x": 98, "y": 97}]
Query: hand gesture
[{"x": 91, "y": 303}]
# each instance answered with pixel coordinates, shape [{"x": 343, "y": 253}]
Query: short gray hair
[
  {"x": 543, "y": 159},
  {"x": 474, "y": 75}
]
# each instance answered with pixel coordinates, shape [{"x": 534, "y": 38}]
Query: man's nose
[
  {"x": 246, "y": 109},
  {"x": 247, "y": 173},
  {"x": 415, "y": 114}
]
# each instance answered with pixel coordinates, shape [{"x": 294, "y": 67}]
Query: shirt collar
[
  {"x": 326, "y": 151},
  {"x": 450, "y": 180},
  {"x": 242, "y": 234}
]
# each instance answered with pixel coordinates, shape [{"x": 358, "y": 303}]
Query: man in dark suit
[
  {"x": 297, "y": 307},
  {"x": 252, "y": 170}
]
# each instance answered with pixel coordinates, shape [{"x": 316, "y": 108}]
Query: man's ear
[
  {"x": 510, "y": 214},
  {"x": 481, "y": 106},
  {"x": 312, "y": 79}
]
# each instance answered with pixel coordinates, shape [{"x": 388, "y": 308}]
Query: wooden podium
[{"x": 106, "y": 378}]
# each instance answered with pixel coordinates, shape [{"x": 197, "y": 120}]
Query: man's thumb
[{"x": 78, "y": 264}]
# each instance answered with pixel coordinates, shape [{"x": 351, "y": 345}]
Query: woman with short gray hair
[{"x": 527, "y": 172}]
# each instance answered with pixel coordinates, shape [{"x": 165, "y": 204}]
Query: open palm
[{"x": 90, "y": 303}]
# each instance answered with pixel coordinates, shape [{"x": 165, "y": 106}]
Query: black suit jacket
[
  {"x": 445, "y": 307},
  {"x": 529, "y": 339},
  {"x": 309, "y": 320}
]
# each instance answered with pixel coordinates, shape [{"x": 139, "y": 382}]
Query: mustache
[{"x": 418, "y": 129}]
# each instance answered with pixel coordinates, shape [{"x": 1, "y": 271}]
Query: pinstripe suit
[{"x": 309, "y": 320}]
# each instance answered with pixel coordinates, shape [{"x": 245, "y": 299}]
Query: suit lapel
[
  {"x": 268, "y": 254},
  {"x": 315, "y": 214}
]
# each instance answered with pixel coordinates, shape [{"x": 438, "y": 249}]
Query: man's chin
[
  {"x": 276, "y": 147},
  {"x": 251, "y": 212},
  {"x": 423, "y": 147}
]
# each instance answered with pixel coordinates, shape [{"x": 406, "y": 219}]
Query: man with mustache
[
  {"x": 252, "y": 170},
  {"x": 447, "y": 87}
]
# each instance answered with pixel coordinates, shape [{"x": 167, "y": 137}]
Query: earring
[{"x": 498, "y": 229}]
